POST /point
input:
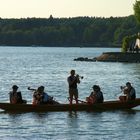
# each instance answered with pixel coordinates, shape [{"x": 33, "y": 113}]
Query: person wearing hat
[
  {"x": 96, "y": 95},
  {"x": 15, "y": 96},
  {"x": 129, "y": 92}
]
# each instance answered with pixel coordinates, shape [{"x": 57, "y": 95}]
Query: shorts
[{"x": 73, "y": 92}]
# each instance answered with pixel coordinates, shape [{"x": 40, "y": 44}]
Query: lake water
[{"x": 50, "y": 67}]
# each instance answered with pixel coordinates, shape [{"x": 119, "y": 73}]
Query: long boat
[{"x": 107, "y": 105}]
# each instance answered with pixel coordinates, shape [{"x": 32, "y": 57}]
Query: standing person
[
  {"x": 96, "y": 95},
  {"x": 73, "y": 81},
  {"x": 15, "y": 96}
]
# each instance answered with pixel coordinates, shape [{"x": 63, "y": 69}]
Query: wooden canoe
[{"x": 107, "y": 105}]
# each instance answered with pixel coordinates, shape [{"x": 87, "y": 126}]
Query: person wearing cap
[
  {"x": 72, "y": 82},
  {"x": 96, "y": 95},
  {"x": 129, "y": 92},
  {"x": 15, "y": 96}
]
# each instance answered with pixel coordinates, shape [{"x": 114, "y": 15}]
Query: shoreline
[
  {"x": 66, "y": 46},
  {"x": 113, "y": 57}
]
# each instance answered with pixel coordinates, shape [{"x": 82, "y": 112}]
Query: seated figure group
[
  {"x": 96, "y": 96},
  {"x": 39, "y": 96}
]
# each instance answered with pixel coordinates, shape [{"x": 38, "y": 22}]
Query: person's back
[
  {"x": 133, "y": 94},
  {"x": 129, "y": 93},
  {"x": 99, "y": 97},
  {"x": 47, "y": 99}
]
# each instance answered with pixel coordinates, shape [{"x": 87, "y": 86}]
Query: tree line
[
  {"x": 129, "y": 41},
  {"x": 76, "y": 31}
]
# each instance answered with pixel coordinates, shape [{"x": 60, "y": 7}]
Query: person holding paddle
[{"x": 73, "y": 81}]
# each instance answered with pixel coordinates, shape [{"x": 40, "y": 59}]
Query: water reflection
[
  {"x": 130, "y": 111},
  {"x": 71, "y": 125},
  {"x": 72, "y": 114}
]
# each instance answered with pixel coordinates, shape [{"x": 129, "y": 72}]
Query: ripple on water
[{"x": 50, "y": 67}]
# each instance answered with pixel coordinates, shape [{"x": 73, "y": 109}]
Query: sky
[{"x": 65, "y": 8}]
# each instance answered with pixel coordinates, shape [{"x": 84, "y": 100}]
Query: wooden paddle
[
  {"x": 29, "y": 88},
  {"x": 78, "y": 100}
]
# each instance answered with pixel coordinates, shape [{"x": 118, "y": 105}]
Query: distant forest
[{"x": 78, "y": 31}]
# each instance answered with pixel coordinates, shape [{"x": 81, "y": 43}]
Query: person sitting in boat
[
  {"x": 41, "y": 97},
  {"x": 15, "y": 96},
  {"x": 96, "y": 95},
  {"x": 129, "y": 93}
]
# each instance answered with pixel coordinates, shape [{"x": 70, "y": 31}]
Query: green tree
[
  {"x": 126, "y": 26},
  {"x": 136, "y": 8},
  {"x": 125, "y": 44},
  {"x": 77, "y": 31}
]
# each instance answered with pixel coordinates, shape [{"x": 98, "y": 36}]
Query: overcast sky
[{"x": 65, "y": 8}]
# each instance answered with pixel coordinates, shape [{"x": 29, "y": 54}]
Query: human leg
[
  {"x": 70, "y": 95},
  {"x": 76, "y": 95}
]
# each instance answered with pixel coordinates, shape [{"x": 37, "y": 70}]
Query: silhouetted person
[
  {"x": 15, "y": 96},
  {"x": 72, "y": 81}
]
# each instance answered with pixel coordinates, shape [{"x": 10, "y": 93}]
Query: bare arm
[{"x": 78, "y": 80}]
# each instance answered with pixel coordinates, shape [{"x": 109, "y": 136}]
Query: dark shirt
[
  {"x": 99, "y": 97},
  {"x": 132, "y": 94},
  {"x": 74, "y": 84},
  {"x": 15, "y": 97}
]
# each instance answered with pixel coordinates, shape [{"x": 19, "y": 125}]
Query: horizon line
[{"x": 65, "y": 17}]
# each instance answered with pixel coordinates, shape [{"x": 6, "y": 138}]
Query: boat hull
[{"x": 108, "y": 105}]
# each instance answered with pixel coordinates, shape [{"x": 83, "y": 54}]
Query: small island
[
  {"x": 113, "y": 57},
  {"x": 130, "y": 52},
  {"x": 130, "y": 47}
]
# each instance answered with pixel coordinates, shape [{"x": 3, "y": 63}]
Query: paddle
[
  {"x": 82, "y": 101},
  {"x": 29, "y": 88},
  {"x": 78, "y": 100}
]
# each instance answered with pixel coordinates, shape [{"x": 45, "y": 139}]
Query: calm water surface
[{"x": 35, "y": 66}]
